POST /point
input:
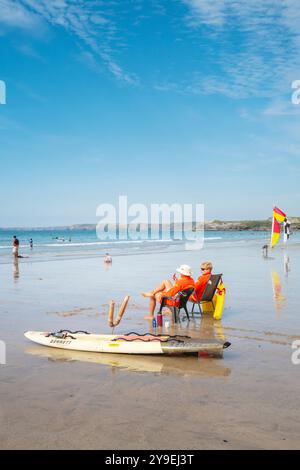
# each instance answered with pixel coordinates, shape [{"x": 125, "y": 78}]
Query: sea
[{"x": 85, "y": 243}]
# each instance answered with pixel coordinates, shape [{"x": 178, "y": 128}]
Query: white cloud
[
  {"x": 15, "y": 14},
  {"x": 29, "y": 51},
  {"x": 252, "y": 48},
  {"x": 210, "y": 12},
  {"x": 256, "y": 46},
  {"x": 91, "y": 21},
  {"x": 282, "y": 108}
]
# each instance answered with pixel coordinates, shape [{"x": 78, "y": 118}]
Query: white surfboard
[{"x": 127, "y": 344}]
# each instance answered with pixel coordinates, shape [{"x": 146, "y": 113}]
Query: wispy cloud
[
  {"x": 282, "y": 108},
  {"x": 256, "y": 45},
  {"x": 29, "y": 51},
  {"x": 209, "y": 12},
  {"x": 15, "y": 14},
  {"x": 246, "y": 48},
  {"x": 90, "y": 21},
  {"x": 26, "y": 90}
]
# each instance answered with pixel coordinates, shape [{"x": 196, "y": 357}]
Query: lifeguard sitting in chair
[
  {"x": 206, "y": 269},
  {"x": 209, "y": 293},
  {"x": 168, "y": 290}
]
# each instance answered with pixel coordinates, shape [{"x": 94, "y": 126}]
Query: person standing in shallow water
[
  {"x": 15, "y": 245},
  {"x": 107, "y": 258},
  {"x": 31, "y": 243}
]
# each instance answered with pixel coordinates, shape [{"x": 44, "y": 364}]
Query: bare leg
[
  {"x": 156, "y": 295},
  {"x": 152, "y": 305},
  {"x": 164, "y": 286}
]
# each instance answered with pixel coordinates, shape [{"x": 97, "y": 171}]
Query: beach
[
  {"x": 53, "y": 399},
  {"x": 161, "y": 135}
]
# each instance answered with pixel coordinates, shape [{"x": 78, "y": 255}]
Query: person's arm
[
  {"x": 173, "y": 291},
  {"x": 201, "y": 280},
  {"x": 200, "y": 285}
]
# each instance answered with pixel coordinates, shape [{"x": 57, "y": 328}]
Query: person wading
[{"x": 15, "y": 245}]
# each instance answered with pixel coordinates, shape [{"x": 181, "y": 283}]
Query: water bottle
[
  {"x": 154, "y": 323},
  {"x": 159, "y": 319}
]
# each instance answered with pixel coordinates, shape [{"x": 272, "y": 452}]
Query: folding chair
[
  {"x": 208, "y": 293},
  {"x": 177, "y": 303}
]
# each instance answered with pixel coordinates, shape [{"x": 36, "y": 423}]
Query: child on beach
[{"x": 166, "y": 288}]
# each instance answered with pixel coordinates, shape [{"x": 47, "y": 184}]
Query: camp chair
[
  {"x": 177, "y": 303},
  {"x": 208, "y": 293}
]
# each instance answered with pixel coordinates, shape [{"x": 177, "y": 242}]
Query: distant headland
[{"x": 214, "y": 225}]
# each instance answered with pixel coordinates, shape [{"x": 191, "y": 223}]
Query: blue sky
[{"x": 163, "y": 101}]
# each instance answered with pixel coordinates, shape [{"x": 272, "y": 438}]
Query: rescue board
[
  {"x": 217, "y": 305},
  {"x": 131, "y": 343}
]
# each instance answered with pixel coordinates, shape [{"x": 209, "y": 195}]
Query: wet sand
[{"x": 52, "y": 399}]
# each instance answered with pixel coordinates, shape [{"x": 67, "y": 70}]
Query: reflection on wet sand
[
  {"x": 286, "y": 262},
  {"x": 107, "y": 266},
  {"x": 179, "y": 365},
  {"x": 16, "y": 271},
  {"x": 184, "y": 366},
  {"x": 204, "y": 327},
  {"x": 277, "y": 293}
]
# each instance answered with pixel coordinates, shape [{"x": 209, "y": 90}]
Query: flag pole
[
  {"x": 284, "y": 233},
  {"x": 272, "y": 230}
]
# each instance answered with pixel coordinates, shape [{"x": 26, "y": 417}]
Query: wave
[
  {"x": 206, "y": 239},
  {"x": 105, "y": 242},
  {"x": 9, "y": 247}
]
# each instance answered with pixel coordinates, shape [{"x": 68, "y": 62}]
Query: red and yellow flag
[
  {"x": 278, "y": 218},
  {"x": 278, "y": 215}
]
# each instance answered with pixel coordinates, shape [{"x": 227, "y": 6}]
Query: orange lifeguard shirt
[
  {"x": 181, "y": 284},
  {"x": 200, "y": 286}
]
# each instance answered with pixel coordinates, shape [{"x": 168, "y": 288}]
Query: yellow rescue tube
[{"x": 219, "y": 301}]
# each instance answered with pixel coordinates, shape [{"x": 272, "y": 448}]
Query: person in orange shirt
[
  {"x": 167, "y": 289},
  {"x": 206, "y": 269}
]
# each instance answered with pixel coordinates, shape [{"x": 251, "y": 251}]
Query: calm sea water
[{"x": 74, "y": 243}]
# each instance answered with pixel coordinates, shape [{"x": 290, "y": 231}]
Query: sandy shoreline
[{"x": 53, "y": 399}]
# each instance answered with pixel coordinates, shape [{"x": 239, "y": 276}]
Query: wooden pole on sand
[{"x": 121, "y": 312}]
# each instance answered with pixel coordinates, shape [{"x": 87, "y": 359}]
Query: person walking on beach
[
  {"x": 167, "y": 289},
  {"x": 15, "y": 245}
]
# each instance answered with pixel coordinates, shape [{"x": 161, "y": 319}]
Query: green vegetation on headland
[
  {"x": 255, "y": 225},
  {"x": 217, "y": 225}
]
